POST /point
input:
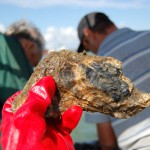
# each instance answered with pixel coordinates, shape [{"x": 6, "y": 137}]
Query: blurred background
[{"x": 58, "y": 20}]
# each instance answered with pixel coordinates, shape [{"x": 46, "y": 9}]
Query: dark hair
[
  {"x": 95, "y": 21},
  {"x": 102, "y": 26}
]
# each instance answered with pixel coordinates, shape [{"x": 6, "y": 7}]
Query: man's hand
[{"x": 27, "y": 129}]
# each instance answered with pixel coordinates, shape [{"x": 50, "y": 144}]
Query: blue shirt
[{"x": 133, "y": 49}]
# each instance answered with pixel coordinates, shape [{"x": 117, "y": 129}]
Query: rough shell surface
[{"x": 95, "y": 83}]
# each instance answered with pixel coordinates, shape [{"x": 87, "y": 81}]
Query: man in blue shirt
[{"x": 100, "y": 35}]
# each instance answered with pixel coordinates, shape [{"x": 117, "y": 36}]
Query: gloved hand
[{"x": 26, "y": 129}]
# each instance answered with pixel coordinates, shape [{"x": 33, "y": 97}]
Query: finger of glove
[
  {"x": 27, "y": 123},
  {"x": 70, "y": 119},
  {"x": 7, "y": 116},
  {"x": 40, "y": 95},
  {"x": 7, "y": 109},
  {"x": 24, "y": 131}
]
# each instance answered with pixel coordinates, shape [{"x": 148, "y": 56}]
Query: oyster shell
[{"x": 95, "y": 83}]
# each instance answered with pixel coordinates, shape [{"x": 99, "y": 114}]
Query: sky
[{"x": 58, "y": 19}]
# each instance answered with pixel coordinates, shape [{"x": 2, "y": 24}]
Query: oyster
[{"x": 95, "y": 83}]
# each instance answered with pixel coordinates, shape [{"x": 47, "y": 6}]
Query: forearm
[
  {"x": 107, "y": 137},
  {"x": 109, "y": 145}
]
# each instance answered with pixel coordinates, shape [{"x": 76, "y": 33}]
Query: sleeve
[{"x": 97, "y": 117}]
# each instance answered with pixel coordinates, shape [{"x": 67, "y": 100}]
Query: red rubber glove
[{"x": 26, "y": 129}]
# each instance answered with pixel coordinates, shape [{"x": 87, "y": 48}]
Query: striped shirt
[{"x": 133, "y": 49}]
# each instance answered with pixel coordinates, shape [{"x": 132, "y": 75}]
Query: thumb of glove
[
  {"x": 40, "y": 95},
  {"x": 70, "y": 118}
]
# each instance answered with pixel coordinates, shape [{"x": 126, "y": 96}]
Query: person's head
[
  {"x": 93, "y": 29},
  {"x": 30, "y": 38}
]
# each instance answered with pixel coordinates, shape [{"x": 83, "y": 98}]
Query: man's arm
[{"x": 107, "y": 137}]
